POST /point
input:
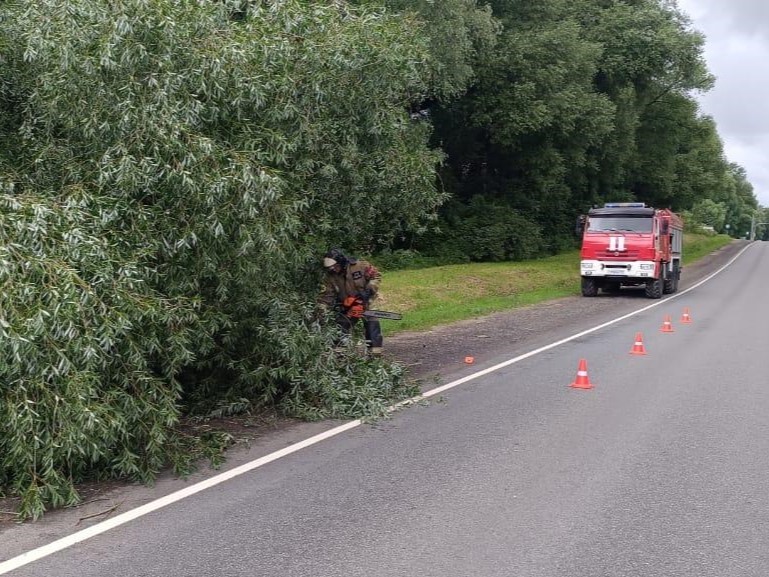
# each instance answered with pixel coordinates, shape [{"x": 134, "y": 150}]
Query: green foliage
[
  {"x": 170, "y": 172},
  {"x": 174, "y": 168},
  {"x": 89, "y": 350},
  {"x": 647, "y": 45},
  {"x": 346, "y": 385},
  {"x": 485, "y": 231},
  {"x": 582, "y": 102},
  {"x": 528, "y": 125},
  {"x": 188, "y": 447},
  {"x": 762, "y": 223},
  {"x": 709, "y": 213},
  {"x": 460, "y": 33}
]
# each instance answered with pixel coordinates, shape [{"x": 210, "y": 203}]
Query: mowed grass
[{"x": 441, "y": 295}]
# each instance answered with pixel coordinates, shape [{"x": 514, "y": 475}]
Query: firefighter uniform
[{"x": 350, "y": 277}]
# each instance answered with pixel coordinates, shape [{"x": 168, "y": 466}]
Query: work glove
[{"x": 365, "y": 295}]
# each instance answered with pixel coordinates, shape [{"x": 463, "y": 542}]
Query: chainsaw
[
  {"x": 382, "y": 315},
  {"x": 353, "y": 308}
]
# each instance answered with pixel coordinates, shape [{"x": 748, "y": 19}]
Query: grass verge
[{"x": 440, "y": 295}]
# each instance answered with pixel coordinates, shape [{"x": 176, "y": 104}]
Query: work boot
[{"x": 375, "y": 351}]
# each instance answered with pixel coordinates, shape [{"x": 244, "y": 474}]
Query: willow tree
[
  {"x": 460, "y": 33},
  {"x": 168, "y": 171}
]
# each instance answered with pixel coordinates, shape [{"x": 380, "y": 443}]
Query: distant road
[{"x": 660, "y": 470}]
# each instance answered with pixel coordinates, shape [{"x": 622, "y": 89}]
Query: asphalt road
[{"x": 661, "y": 469}]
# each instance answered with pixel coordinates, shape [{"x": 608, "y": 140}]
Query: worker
[{"x": 350, "y": 285}]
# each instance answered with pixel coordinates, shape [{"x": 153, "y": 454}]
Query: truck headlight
[
  {"x": 646, "y": 266},
  {"x": 587, "y": 265}
]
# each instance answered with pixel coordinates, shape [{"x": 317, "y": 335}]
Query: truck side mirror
[
  {"x": 664, "y": 227},
  {"x": 579, "y": 228}
]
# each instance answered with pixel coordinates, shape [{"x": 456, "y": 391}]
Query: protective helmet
[{"x": 334, "y": 256}]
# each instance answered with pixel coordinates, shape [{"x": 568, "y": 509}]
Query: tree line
[
  {"x": 170, "y": 172},
  {"x": 570, "y": 104}
]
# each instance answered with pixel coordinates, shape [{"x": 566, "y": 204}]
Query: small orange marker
[
  {"x": 667, "y": 326},
  {"x": 469, "y": 360},
  {"x": 582, "y": 381},
  {"x": 638, "y": 345}
]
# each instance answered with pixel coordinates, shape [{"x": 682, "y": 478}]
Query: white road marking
[{"x": 104, "y": 526}]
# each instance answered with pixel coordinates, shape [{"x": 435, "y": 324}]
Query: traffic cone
[
  {"x": 582, "y": 381},
  {"x": 685, "y": 318},
  {"x": 638, "y": 345},
  {"x": 667, "y": 326}
]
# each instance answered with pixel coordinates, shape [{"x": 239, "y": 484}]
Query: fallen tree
[{"x": 170, "y": 172}]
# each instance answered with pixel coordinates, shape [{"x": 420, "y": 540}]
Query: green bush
[
  {"x": 88, "y": 351},
  {"x": 485, "y": 230}
]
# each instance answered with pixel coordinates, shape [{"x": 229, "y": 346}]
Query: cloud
[
  {"x": 739, "y": 100},
  {"x": 743, "y": 17},
  {"x": 737, "y": 53}
]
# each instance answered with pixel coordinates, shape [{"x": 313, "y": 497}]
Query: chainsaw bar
[{"x": 383, "y": 315}]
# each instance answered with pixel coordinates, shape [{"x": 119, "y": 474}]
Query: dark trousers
[{"x": 371, "y": 328}]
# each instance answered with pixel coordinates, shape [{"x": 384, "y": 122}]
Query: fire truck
[{"x": 630, "y": 244}]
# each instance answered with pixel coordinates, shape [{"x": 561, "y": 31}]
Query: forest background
[{"x": 171, "y": 171}]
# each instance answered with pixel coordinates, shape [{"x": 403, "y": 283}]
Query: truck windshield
[{"x": 619, "y": 224}]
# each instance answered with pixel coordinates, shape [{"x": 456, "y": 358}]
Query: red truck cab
[{"x": 630, "y": 244}]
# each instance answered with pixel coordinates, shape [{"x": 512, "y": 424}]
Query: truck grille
[{"x": 618, "y": 255}]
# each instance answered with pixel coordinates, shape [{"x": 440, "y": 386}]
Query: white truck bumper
[{"x": 640, "y": 269}]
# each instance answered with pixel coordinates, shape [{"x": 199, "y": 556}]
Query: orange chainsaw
[{"x": 355, "y": 308}]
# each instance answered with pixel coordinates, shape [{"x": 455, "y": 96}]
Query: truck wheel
[
  {"x": 589, "y": 287},
  {"x": 654, "y": 288}
]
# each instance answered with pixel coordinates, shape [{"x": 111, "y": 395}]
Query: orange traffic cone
[
  {"x": 638, "y": 345},
  {"x": 582, "y": 381},
  {"x": 685, "y": 318},
  {"x": 667, "y": 326}
]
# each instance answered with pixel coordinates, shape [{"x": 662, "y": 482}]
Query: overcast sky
[{"x": 737, "y": 52}]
